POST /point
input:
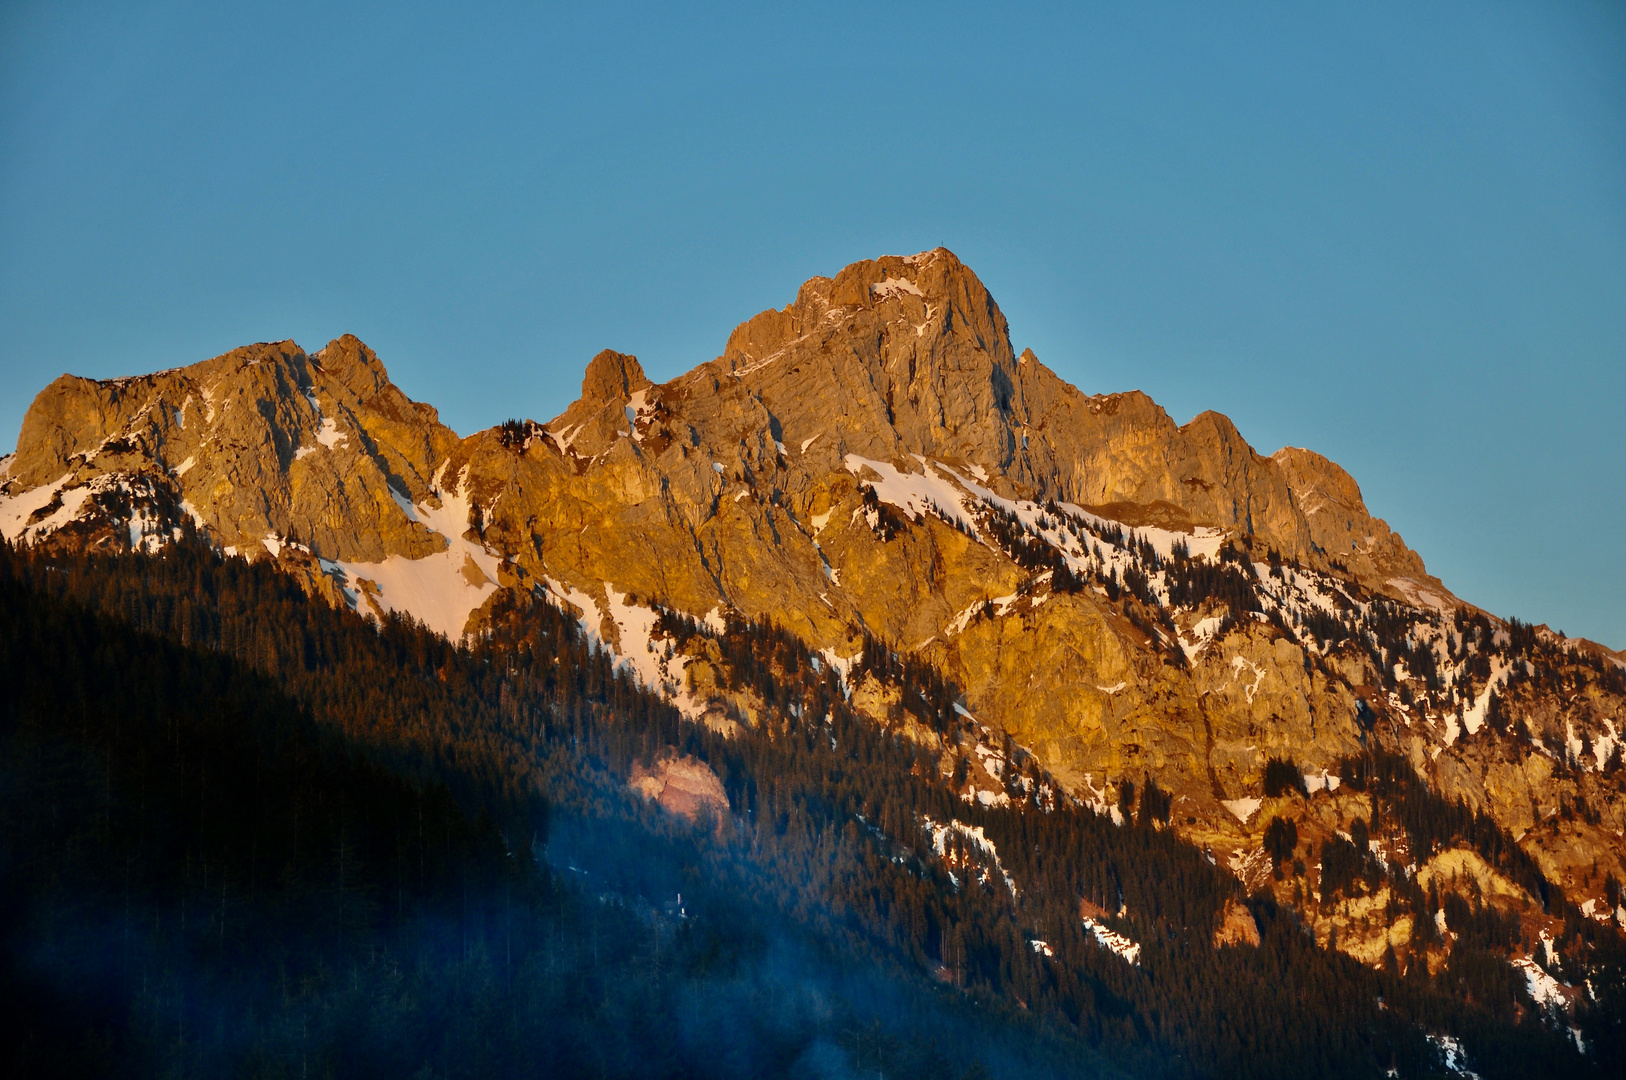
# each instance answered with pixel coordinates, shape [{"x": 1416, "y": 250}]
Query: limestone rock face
[
  {"x": 263, "y": 442},
  {"x": 1340, "y": 525},
  {"x": 1128, "y": 598},
  {"x": 316, "y": 460}
]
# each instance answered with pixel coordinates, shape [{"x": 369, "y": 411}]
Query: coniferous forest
[{"x": 246, "y": 834}]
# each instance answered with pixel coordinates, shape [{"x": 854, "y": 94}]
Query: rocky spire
[{"x": 612, "y": 376}]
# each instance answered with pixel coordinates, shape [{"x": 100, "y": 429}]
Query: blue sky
[{"x": 1393, "y": 233}]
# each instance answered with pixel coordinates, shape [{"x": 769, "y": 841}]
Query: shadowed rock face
[{"x": 741, "y": 485}]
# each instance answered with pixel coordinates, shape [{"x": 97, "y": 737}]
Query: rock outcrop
[{"x": 683, "y": 786}]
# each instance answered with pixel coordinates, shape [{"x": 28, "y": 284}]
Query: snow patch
[
  {"x": 197, "y": 518},
  {"x": 1604, "y": 745},
  {"x": 1455, "y": 1060},
  {"x": 1097, "y": 799},
  {"x": 978, "y": 840},
  {"x": 1063, "y": 535},
  {"x": 714, "y": 620},
  {"x": 1420, "y": 596},
  {"x": 147, "y": 531},
  {"x": 895, "y": 286},
  {"x": 962, "y": 619},
  {"x": 564, "y": 440},
  {"x": 1113, "y": 940},
  {"x": 1237, "y": 664},
  {"x": 916, "y": 494},
  {"x": 1243, "y": 809},
  {"x": 638, "y": 410},
  {"x": 651, "y": 664},
  {"x": 1203, "y": 630},
  {"x": 842, "y": 666},
  {"x": 440, "y": 590},
  {"x": 1543, "y": 987},
  {"x": 592, "y": 620},
  {"x": 329, "y": 435},
  {"x": 15, "y": 510},
  {"x": 1473, "y": 719},
  {"x": 1322, "y": 781}
]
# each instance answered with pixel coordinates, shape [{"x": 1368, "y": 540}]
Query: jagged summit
[
  {"x": 1124, "y": 596},
  {"x": 263, "y": 441},
  {"x": 891, "y": 356},
  {"x": 897, "y": 360},
  {"x": 613, "y": 376},
  {"x": 349, "y": 362},
  {"x": 902, "y": 356}
]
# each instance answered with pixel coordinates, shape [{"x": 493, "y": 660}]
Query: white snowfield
[
  {"x": 329, "y": 434},
  {"x": 1455, "y": 1059},
  {"x": 1322, "y": 781},
  {"x": 635, "y": 647},
  {"x": 147, "y": 533},
  {"x": 1203, "y": 631},
  {"x": 16, "y": 510},
  {"x": 1599, "y": 911},
  {"x": 440, "y": 590},
  {"x": 916, "y": 494}
]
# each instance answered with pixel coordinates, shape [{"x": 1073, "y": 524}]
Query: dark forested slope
[{"x": 249, "y": 834}]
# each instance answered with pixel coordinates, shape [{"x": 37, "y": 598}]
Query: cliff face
[
  {"x": 262, "y": 442},
  {"x": 1130, "y": 598},
  {"x": 269, "y": 452}
]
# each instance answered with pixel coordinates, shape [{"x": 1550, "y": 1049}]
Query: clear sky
[{"x": 1393, "y": 233}]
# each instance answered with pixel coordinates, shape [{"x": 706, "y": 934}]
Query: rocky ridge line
[{"x": 1128, "y": 598}]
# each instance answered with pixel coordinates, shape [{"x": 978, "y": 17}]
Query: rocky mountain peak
[
  {"x": 613, "y": 376},
  {"x": 347, "y": 361},
  {"x": 256, "y": 447},
  {"x": 891, "y": 356},
  {"x": 929, "y": 294}
]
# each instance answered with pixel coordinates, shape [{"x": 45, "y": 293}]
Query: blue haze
[{"x": 1394, "y": 233}]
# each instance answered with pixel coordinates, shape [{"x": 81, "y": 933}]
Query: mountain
[
  {"x": 249, "y": 831},
  {"x": 1165, "y": 623}
]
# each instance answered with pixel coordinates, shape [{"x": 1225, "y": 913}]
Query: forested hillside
[{"x": 250, "y": 834}]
